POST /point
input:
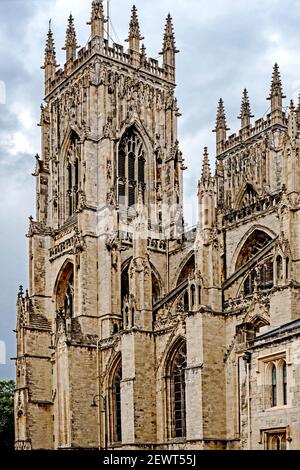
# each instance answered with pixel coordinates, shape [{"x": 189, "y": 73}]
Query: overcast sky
[{"x": 225, "y": 45}]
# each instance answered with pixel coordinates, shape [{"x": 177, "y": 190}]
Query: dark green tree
[{"x": 7, "y": 388}]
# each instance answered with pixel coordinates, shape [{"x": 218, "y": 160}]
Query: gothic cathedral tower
[{"x": 109, "y": 172}]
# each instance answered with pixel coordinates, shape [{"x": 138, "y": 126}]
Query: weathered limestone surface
[{"x": 173, "y": 335}]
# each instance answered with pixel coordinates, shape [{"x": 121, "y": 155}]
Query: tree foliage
[{"x": 7, "y": 388}]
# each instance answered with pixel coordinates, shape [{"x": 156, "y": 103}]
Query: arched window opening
[
  {"x": 155, "y": 290},
  {"x": 187, "y": 269},
  {"x": 64, "y": 292},
  {"x": 177, "y": 377},
  {"x": 269, "y": 274},
  {"x": 124, "y": 286},
  {"x": 287, "y": 268},
  {"x": 70, "y": 185},
  {"x": 69, "y": 297},
  {"x": 192, "y": 295},
  {"x": 249, "y": 283},
  {"x": 255, "y": 242},
  {"x": 275, "y": 443},
  {"x": 131, "y": 168},
  {"x": 276, "y": 440},
  {"x": 76, "y": 182},
  {"x": 274, "y": 386},
  {"x": 199, "y": 295},
  {"x": 249, "y": 197},
  {"x": 284, "y": 383},
  {"x": 186, "y": 301},
  {"x": 116, "y": 402},
  {"x": 266, "y": 275},
  {"x": 72, "y": 175},
  {"x": 279, "y": 268}
]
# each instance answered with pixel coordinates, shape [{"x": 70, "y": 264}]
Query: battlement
[
  {"x": 252, "y": 131},
  {"x": 135, "y": 57}
]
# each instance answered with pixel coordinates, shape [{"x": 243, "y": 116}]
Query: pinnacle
[
  {"x": 71, "y": 33},
  {"x": 134, "y": 27},
  {"x": 97, "y": 18},
  {"x": 276, "y": 85},
  {"x": 169, "y": 36},
  {"x": 206, "y": 171},
  {"x": 50, "y": 54},
  {"x": 221, "y": 117},
  {"x": 245, "y": 106}
]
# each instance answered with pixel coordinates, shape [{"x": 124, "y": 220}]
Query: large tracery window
[
  {"x": 177, "y": 395},
  {"x": 131, "y": 168}
]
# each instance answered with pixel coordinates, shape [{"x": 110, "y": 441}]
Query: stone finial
[
  {"x": 97, "y": 19},
  {"x": 276, "y": 93},
  {"x": 50, "y": 54},
  {"x": 169, "y": 49},
  {"x": 221, "y": 117},
  {"x": 169, "y": 36},
  {"x": 50, "y": 64},
  {"x": 221, "y": 127},
  {"x": 245, "y": 114},
  {"x": 206, "y": 171},
  {"x": 71, "y": 40},
  {"x": 134, "y": 36}
]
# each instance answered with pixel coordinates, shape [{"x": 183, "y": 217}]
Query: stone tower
[
  {"x": 108, "y": 192},
  {"x": 135, "y": 332}
]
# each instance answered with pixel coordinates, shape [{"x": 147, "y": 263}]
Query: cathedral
[{"x": 135, "y": 332}]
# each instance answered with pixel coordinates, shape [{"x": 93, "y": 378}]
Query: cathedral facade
[{"x": 136, "y": 333}]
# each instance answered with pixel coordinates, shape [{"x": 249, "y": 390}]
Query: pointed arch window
[
  {"x": 177, "y": 396},
  {"x": 279, "y": 268},
  {"x": 69, "y": 297},
  {"x": 193, "y": 292},
  {"x": 249, "y": 197},
  {"x": 65, "y": 290},
  {"x": 131, "y": 167}
]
